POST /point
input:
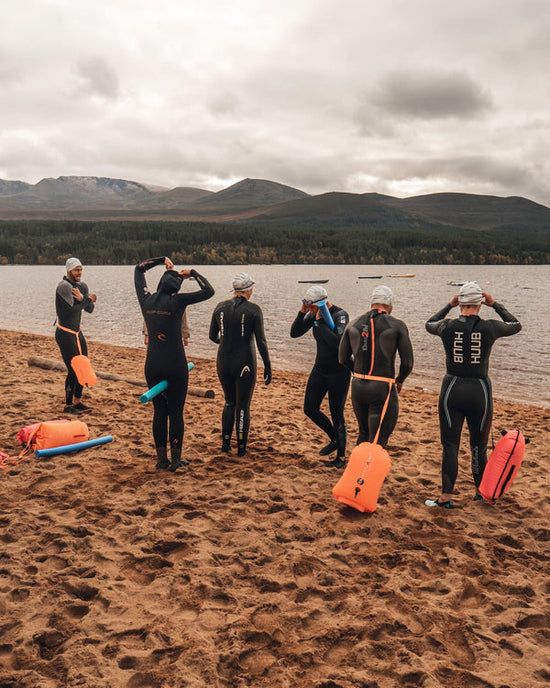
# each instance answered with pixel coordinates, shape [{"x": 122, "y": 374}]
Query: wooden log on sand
[{"x": 49, "y": 364}]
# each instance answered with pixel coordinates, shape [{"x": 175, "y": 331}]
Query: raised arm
[
  {"x": 140, "y": 282},
  {"x": 205, "y": 292}
]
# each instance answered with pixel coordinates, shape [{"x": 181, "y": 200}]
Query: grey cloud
[
  {"x": 99, "y": 76},
  {"x": 431, "y": 94}
]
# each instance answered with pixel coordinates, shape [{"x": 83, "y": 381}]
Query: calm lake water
[{"x": 519, "y": 364}]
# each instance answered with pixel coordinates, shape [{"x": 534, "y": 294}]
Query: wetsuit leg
[
  {"x": 368, "y": 398},
  {"x": 68, "y": 348},
  {"x": 451, "y": 420},
  {"x": 228, "y": 382},
  {"x": 176, "y": 393},
  {"x": 338, "y": 385},
  {"x": 390, "y": 419},
  {"x": 316, "y": 388},
  {"x": 153, "y": 375},
  {"x": 479, "y": 417},
  {"x": 244, "y": 389}
]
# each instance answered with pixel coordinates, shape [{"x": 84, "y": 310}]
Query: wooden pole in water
[{"x": 49, "y": 364}]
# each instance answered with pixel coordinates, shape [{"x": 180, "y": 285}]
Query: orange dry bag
[
  {"x": 502, "y": 466},
  {"x": 81, "y": 364},
  {"x": 58, "y": 433},
  {"x": 368, "y": 465},
  {"x": 360, "y": 484}
]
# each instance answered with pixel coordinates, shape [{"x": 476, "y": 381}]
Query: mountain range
[{"x": 263, "y": 202}]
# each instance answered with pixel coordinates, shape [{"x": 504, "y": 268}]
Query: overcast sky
[{"x": 402, "y": 97}]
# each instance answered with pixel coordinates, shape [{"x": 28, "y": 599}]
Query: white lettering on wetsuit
[
  {"x": 475, "y": 347},
  {"x": 458, "y": 356}
]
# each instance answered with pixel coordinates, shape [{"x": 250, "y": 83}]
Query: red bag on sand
[
  {"x": 503, "y": 466},
  {"x": 360, "y": 483}
]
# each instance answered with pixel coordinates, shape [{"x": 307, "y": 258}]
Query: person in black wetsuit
[
  {"x": 368, "y": 348},
  {"x": 166, "y": 360},
  {"x": 327, "y": 375},
  {"x": 234, "y": 324},
  {"x": 466, "y": 388},
  {"x": 72, "y": 296}
]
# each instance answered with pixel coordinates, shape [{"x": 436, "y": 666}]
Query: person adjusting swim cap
[
  {"x": 163, "y": 311},
  {"x": 470, "y": 293},
  {"x": 327, "y": 375},
  {"x": 234, "y": 326},
  {"x": 466, "y": 388}
]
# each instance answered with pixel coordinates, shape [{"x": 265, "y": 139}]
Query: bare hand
[
  {"x": 77, "y": 294},
  {"x": 168, "y": 263},
  {"x": 489, "y": 300},
  {"x": 93, "y": 298},
  {"x": 454, "y": 301},
  {"x": 399, "y": 386},
  {"x": 185, "y": 274},
  {"x": 304, "y": 308}
]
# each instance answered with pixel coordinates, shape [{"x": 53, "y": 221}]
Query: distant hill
[
  {"x": 246, "y": 195},
  {"x": 262, "y": 202}
]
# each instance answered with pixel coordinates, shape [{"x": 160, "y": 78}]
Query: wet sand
[{"x": 245, "y": 571}]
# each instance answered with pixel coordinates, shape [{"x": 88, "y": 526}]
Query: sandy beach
[{"x": 245, "y": 571}]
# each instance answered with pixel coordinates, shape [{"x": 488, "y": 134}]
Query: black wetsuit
[
  {"x": 69, "y": 314},
  {"x": 234, "y": 324},
  {"x": 466, "y": 388},
  {"x": 369, "y": 396},
  {"x": 166, "y": 360},
  {"x": 327, "y": 375}
]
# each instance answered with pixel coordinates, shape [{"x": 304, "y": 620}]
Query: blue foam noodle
[{"x": 65, "y": 449}]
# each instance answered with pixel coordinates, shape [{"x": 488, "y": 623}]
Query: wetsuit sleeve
[
  {"x": 302, "y": 323},
  {"x": 437, "y": 323},
  {"x": 260, "y": 338},
  {"x": 332, "y": 337},
  {"x": 88, "y": 304},
  {"x": 205, "y": 292},
  {"x": 404, "y": 347},
  {"x": 214, "y": 334},
  {"x": 510, "y": 324},
  {"x": 139, "y": 276},
  {"x": 68, "y": 304},
  {"x": 345, "y": 351}
]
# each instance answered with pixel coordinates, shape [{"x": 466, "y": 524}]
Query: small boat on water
[
  {"x": 411, "y": 275},
  {"x": 370, "y": 277},
  {"x": 312, "y": 281}
]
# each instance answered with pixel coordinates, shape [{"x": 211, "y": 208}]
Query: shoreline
[{"x": 246, "y": 571}]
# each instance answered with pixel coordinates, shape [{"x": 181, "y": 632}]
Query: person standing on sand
[
  {"x": 466, "y": 388},
  {"x": 327, "y": 375},
  {"x": 368, "y": 348},
  {"x": 234, "y": 324},
  {"x": 72, "y": 296},
  {"x": 163, "y": 311}
]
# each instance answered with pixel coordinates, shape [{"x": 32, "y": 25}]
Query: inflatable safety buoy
[
  {"x": 503, "y": 466},
  {"x": 360, "y": 483}
]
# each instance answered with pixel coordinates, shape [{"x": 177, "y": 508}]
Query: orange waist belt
[{"x": 390, "y": 380}]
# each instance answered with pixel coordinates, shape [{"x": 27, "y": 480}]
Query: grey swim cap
[
  {"x": 72, "y": 263},
  {"x": 315, "y": 294},
  {"x": 470, "y": 294},
  {"x": 242, "y": 282},
  {"x": 382, "y": 294}
]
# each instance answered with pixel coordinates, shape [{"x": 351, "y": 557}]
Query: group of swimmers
[{"x": 363, "y": 352}]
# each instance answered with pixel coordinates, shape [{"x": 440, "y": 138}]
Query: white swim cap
[
  {"x": 315, "y": 294},
  {"x": 382, "y": 294},
  {"x": 72, "y": 263},
  {"x": 470, "y": 294},
  {"x": 242, "y": 282}
]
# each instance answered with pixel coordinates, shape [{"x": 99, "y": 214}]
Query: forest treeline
[{"x": 50, "y": 242}]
